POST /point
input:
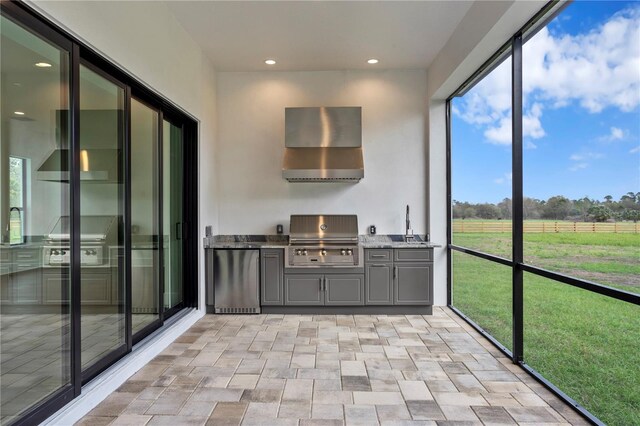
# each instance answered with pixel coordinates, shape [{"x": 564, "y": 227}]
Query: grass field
[
  {"x": 605, "y": 258},
  {"x": 586, "y": 344}
]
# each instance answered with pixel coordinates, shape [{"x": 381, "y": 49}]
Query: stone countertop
[
  {"x": 281, "y": 241},
  {"x": 394, "y": 241},
  {"x": 246, "y": 241}
]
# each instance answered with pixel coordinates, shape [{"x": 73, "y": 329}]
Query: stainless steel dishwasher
[{"x": 236, "y": 281}]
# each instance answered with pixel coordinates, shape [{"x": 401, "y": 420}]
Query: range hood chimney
[{"x": 323, "y": 144}]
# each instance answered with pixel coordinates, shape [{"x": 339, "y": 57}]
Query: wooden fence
[{"x": 497, "y": 226}]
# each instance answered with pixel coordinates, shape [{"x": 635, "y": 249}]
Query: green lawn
[
  {"x": 605, "y": 258},
  {"x": 586, "y": 344}
]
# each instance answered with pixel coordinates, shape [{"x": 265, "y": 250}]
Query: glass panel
[
  {"x": 587, "y": 345},
  {"x": 582, "y": 121},
  {"x": 34, "y": 294},
  {"x": 482, "y": 291},
  {"x": 172, "y": 213},
  {"x": 481, "y": 164},
  {"x": 145, "y": 260},
  {"x": 101, "y": 209}
]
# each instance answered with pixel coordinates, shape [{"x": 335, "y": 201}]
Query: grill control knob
[
  {"x": 304, "y": 252},
  {"x": 54, "y": 252},
  {"x": 323, "y": 252},
  {"x": 343, "y": 252},
  {"x": 349, "y": 252},
  {"x": 298, "y": 252}
]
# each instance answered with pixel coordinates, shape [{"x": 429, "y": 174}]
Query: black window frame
[
  {"x": 81, "y": 53},
  {"x": 517, "y": 263}
]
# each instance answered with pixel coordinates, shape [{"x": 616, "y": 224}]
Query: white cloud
[
  {"x": 507, "y": 177},
  {"x": 578, "y": 166},
  {"x": 634, "y": 150},
  {"x": 586, "y": 156},
  {"x": 596, "y": 70},
  {"x": 614, "y": 135}
]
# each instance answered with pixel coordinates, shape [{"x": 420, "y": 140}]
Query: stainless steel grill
[{"x": 323, "y": 240}]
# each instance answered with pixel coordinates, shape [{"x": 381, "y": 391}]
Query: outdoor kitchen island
[{"x": 393, "y": 277}]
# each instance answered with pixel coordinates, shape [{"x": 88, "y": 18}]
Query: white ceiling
[{"x": 319, "y": 35}]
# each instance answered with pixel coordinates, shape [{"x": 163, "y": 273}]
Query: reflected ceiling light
[
  {"x": 270, "y": 62},
  {"x": 43, "y": 65},
  {"x": 372, "y": 61},
  {"x": 18, "y": 113},
  {"x": 84, "y": 160}
]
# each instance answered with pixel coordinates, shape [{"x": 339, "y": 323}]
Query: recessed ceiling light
[
  {"x": 270, "y": 62},
  {"x": 43, "y": 65},
  {"x": 372, "y": 61},
  {"x": 18, "y": 113}
]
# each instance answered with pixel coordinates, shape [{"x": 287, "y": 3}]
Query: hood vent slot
[{"x": 323, "y": 144}]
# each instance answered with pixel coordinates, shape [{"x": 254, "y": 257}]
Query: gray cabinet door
[
  {"x": 303, "y": 289},
  {"x": 413, "y": 284},
  {"x": 5, "y": 293},
  {"x": 271, "y": 277},
  {"x": 344, "y": 289},
  {"x": 96, "y": 288},
  {"x": 55, "y": 287},
  {"x": 26, "y": 286},
  {"x": 379, "y": 284}
]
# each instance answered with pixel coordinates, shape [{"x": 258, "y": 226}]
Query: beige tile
[
  {"x": 459, "y": 398},
  {"x": 327, "y": 411},
  {"x": 243, "y": 381},
  {"x": 414, "y": 390},
  {"x": 378, "y": 398}
]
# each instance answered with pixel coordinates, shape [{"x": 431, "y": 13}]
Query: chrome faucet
[{"x": 408, "y": 235}]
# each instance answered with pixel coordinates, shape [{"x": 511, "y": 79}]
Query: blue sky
[{"x": 581, "y": 112}]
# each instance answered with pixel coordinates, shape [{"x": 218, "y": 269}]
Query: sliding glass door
[
  {"x": 95, "y": 247},
  {"x": 145, "y": 215},
  {"x": 172, "y": 209},
  {"x": 102, "y": 277},
  {"x": 35, "y": 319}
]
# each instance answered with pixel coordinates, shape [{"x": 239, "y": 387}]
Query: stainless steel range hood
[
  {"x": 97, "y": 165},
  {"x": 323, "y": 144}
]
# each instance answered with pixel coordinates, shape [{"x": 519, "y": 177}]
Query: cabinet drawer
[
  {"x": 413, "y": 255},
  {"x": 378, "y": 255},
  {"x": 26, "y": 256}
]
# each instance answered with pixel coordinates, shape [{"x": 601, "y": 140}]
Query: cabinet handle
[
  {"x": 324, "y": 284},
  {"x": 378, "y": 255},
  {"x": 394, "y": 272},
  {"x": 378, "y": 265}
]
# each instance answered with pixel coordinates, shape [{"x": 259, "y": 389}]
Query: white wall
[
  {"x": 253, "y": 196},
  {"x": 145, "y": 39}
]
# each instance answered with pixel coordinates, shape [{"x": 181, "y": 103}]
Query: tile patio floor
[{"x": 331, "y": 370}]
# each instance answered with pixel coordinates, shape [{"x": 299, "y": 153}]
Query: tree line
[{"x": 557, "y": 207}]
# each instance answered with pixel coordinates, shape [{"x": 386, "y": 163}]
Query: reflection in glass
[
  {"x": 101, "y": 210},
  {"x": 587, "y": 345},
  {"x": 145, "y": 268},
  {"x": 482, "y": 291},
  {"x": 172, "y": 226},
  {"x": 481, "y": 164},
  {"x": 34, "y": 293}
]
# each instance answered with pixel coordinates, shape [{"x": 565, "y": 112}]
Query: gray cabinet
[
  {"x": 379, "y": 284},
  {"x": 96, "y": 286},
  {"x": 303, "y": 289},
  {"x": 26, "y": 278},
  {"x": 413, "y": 284},
  {"x": 401, "y": 276},
  {"x": 5, "y": 289},
  {"x": 347, "y": 289},
  {"x": 271, "y": 277},
  {"x": 320, "y": 289},
  {"x": 25, "y": 286},
  {"x": 55, "y": 286}
]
